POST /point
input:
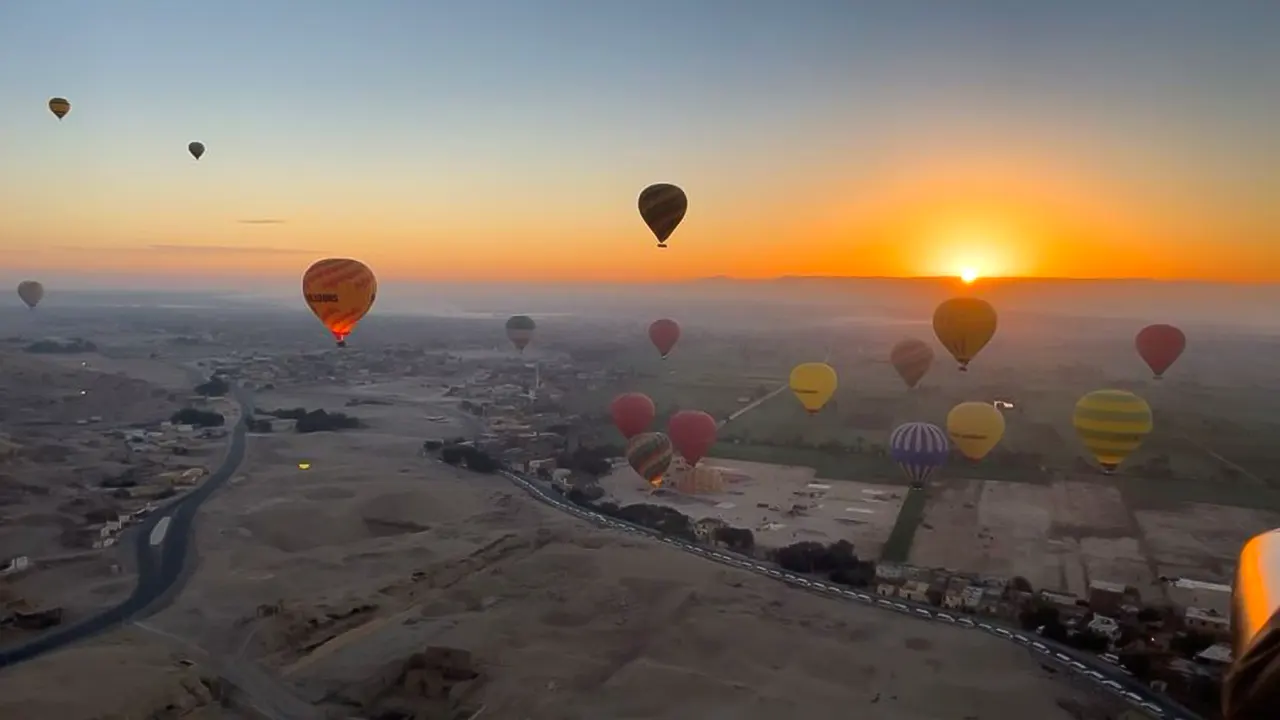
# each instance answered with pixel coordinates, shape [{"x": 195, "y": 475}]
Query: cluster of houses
[{"x": 1110, "y": 610}]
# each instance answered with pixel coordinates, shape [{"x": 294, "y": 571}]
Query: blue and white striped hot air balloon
[{"x": 919, "y": 448}]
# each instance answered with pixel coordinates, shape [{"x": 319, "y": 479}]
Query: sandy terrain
[
  {"x": 375, "y": 553},
  {"x": 61, "y": 411},
  {"x": 862, "y": 513},
  {"x": 122, "y": 675}
]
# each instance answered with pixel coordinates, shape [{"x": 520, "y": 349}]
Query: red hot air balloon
[
  {"x": 664, "y": 334},
  {"x": 632, "y": 413},
  {"x": 1160, "y": 346},
  {"x": 693, "y": 432}
]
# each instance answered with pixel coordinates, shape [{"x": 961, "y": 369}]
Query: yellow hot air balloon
[
  {"x": 1112, "y": 424},
  {"x": 964, "y": 326},
  {"x": 59, "y": 107},
  {"x": 339, "y": 291},
  {"x": 813, "y": 383},
  {"x": 975, "y": 428}
]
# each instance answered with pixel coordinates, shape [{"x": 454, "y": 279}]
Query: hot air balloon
[
  {"x": 59, "y": 107},
  {"x": 196, "y": 149},
  {"x": 1249, "y": 689},
  {"x": 912, "y": 358},
  {"x": 340, "y": 292},
  {"x": 975, "y": 428},
  {"x": 31, "y": 293},
  {"x": 1112, "y": 424},
  {"x": 964, "y": 326},
  {"x": 919, "y": 448},
  {"x": 813, "y": 383},
  {"x": 649, "y": 454},
  {"x": 693, "y": 432},
  {"x": 632, "y": 413},
  {"x": 663, "y": 207},
  {"x": 1160, "y": 347},
  {"x": 664, "y": 334},
  {"x": 520, "y": 330}
]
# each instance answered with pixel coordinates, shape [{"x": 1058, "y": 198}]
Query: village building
[
  {"x": 915, "y": 590},
  {"x": 1207, "y": 621}
]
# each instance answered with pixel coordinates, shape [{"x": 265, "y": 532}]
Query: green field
[
  {"x": 898, "y": 547},
  {"x": 1236, "y": 423}
]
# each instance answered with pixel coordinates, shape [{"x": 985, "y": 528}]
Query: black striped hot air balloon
[
  {"x": 662, "y": 206},
  {"x": 59, "y": 107},
  {"x": 649, "y": 454}
]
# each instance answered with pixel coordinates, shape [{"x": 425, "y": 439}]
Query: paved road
[
  {"x": 1085, "y": 665},
  {"x": 159, "y": 567}
]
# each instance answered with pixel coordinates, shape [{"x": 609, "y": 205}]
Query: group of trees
[
  {"x": 309, "y": 421},
  {"x": 198, "y": 418},
  {"x": 61, "y": 347},
  {"x": 214, "y": 387},
  {"x": 469, "y": 457},
  {"x": 592, "y": 460},
  {"x": 666, "y": 520},
  {"x": 837, "y": 561}
]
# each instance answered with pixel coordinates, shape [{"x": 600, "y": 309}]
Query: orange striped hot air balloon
[
  {"x": 663, "y": 207},
  {"x": 339, "y": 291}
]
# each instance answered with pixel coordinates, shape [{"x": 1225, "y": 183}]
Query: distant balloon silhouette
[
  {"x": 31, "y": 293},
  {"x": 1160, "y": 347},
  {"x": 196, "y": 149},
  {"x": 59, "y": 107},
  {"x": 662, "y": 206},
  {"x": 664, "y": 334},
  {"x": 520, "y": 330},
  {"x": 912, "y": 359}
]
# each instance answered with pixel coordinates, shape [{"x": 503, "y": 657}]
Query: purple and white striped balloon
[{"x": 919, "y": 448}]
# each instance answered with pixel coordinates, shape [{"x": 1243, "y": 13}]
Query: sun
[{"x": 968, "y": 275}]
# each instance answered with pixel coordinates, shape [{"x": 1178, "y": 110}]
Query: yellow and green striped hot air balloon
[
  {"x": 649, "y": 454},
  {"x": 1112, "y": 424}
]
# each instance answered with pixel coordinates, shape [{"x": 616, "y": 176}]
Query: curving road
[
  {"x": 160, "y": 563},
  {"x": 1083, "y": 664}
]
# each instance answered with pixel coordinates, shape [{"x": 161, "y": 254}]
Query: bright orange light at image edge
[{"x": 968, "y": 275}]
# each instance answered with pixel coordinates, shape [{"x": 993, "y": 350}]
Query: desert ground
[
  {"x": 1065, "y": 534},
  {"x": 763, "y": 498},
  {"x": 324, "y": 578},
  {"x": 62, "y": 412}
]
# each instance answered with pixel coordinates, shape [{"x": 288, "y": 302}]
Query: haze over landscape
[{"x": 209, "y": 511}]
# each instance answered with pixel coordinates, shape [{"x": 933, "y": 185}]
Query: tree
[
  {"x": 215, "y": 387},
  {"x": 1190, "y": 643},
  {"x": 1138, "y": 663},
  {"x": 452, "y": 455},
  {"x": 1020, "y": 584},
  {"x": 736, "y": 539},
  {"x": 198, "y": 418},
  {"x": 1149, "y": 615}
]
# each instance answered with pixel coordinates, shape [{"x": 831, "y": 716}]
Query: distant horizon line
[{"x": 1010, "y": 279}]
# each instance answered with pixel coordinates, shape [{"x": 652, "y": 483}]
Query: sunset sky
[{"x": 508, "y": 139}]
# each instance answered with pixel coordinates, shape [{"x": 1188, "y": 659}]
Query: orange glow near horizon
[{"x": 984, "y": 224}]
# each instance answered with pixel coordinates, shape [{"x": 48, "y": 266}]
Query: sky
[{"x": 505, "y": 140}]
